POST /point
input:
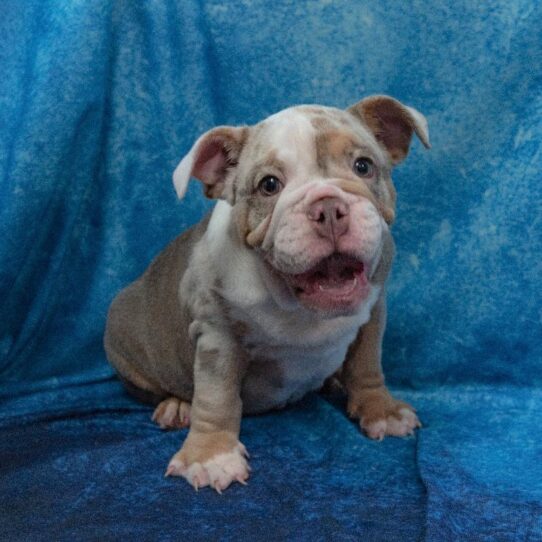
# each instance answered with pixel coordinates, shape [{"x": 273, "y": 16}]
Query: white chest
[{"x": 291, "y": 356}]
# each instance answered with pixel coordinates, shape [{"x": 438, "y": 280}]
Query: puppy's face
[{"x": 311, "y": 192}]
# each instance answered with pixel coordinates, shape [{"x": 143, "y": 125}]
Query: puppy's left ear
[
  {"x": 209, "y": 160},
  {"x": 392, "y": 124}
]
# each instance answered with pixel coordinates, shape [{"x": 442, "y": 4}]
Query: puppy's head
[{"x": 311, "y": 191}]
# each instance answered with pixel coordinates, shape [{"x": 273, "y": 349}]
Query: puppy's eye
[
  {"x": 269, "y": 186},
  {"x": 364, "y": 167}
]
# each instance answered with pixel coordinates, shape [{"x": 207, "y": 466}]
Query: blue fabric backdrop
[{"x": 98, "y": 102}]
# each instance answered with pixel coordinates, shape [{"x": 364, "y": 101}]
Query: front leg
[
  {"x": 212, "y": 454},
  {"x": 369, "y": 400}
]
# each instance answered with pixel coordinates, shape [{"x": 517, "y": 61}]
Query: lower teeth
[{"x": 344, "y": 287}]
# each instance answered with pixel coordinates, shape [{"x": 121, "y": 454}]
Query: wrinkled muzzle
[{"x": 325, "y": 242}]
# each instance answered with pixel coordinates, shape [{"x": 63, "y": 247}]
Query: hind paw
[{"x": 172, "y": 413}]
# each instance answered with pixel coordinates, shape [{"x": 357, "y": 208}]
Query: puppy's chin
[{"x": 336, "y": 286}]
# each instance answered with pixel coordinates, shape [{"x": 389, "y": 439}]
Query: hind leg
[{"x": 172, "y": 413}]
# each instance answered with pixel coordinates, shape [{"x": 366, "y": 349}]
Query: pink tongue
[
  {"x": 335, "y": 275},
  {"x": 337, "y": 282},
  {"x": 337, "y": 270}
]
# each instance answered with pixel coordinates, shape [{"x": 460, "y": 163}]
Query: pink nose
[{"x": 329, "y": 217}]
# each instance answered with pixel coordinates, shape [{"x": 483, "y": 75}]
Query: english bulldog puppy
[{"x": 282, "y": 286}]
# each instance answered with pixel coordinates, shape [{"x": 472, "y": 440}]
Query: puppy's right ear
[{"x": 212, "y": 155}]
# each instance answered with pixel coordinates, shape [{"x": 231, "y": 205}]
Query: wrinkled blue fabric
[{"x": 99, "y": 101}]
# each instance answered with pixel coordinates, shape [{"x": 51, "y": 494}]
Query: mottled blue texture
[{"x": 98, "y": 102}]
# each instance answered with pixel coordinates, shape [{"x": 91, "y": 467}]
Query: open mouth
[{"x": 337, "y": 283}]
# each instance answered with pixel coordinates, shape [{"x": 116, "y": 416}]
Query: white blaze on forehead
[{"x": 291, "y": 134}]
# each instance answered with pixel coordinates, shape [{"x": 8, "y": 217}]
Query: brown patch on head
[
  {"x": 321, "y": 122},
  {"x": 338, "y": 142},
  {"x": 332, "y": 146}
]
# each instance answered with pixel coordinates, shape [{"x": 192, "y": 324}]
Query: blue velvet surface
[{"x": 98, "y": 102}]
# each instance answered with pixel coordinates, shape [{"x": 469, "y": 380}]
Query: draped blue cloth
[{"x": 99, "y": 101}]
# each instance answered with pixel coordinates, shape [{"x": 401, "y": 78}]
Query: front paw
[
  {"x": 381, "y": 415},
  {"x": 218, "y": 470}
]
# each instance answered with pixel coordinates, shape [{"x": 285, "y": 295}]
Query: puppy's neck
[{"x": 238, "y": 268}]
